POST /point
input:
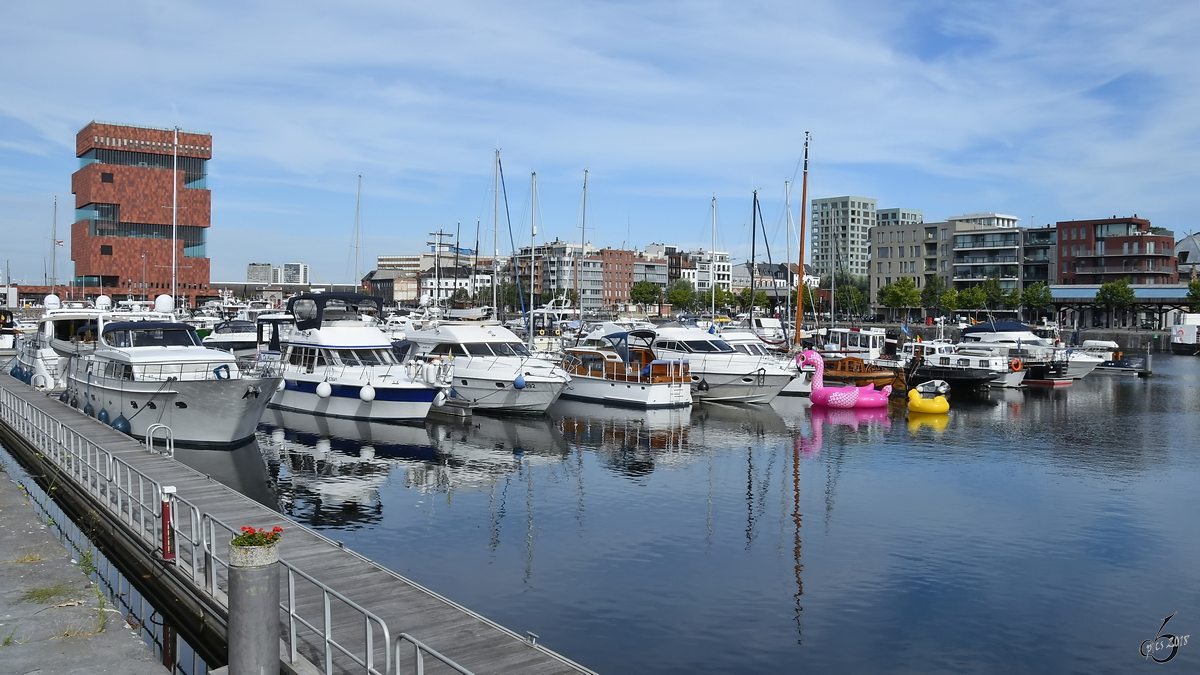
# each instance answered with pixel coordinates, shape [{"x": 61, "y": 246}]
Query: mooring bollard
[
  {"x": 253, "y": 631},
  {"x": 168, "y": 540}
]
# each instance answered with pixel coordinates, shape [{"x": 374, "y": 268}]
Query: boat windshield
[
  {"x": 700, "y": 346},
  {"x": 152, "y": 337},
  {"x": 363, "y": 357},
  {"x": 753, "y": 350},
  {"x": 508, "y": 349}
]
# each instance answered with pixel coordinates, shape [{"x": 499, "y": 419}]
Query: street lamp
[{"x": 144, "y": 297}]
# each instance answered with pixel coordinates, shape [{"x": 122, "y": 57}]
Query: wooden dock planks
[{"x": 471, "y": 640}]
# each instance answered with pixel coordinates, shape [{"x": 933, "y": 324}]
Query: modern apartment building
[
  {"x": 121, "y": 241},
  {"x": 1108, "y": 249},
  {"x": 711, "y": 268},
  {"x": 841, "y": 229},
  {"x": 1040, "y": 255},
  {"x": 259, "y": 273},
  {"x": 903, "y": 245}
]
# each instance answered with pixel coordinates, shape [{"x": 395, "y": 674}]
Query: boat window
[
  {"x": 509, "y": 349},
  {"x": 478, "y": 349},
  {"x": 852, "y": 340},
  {"x": 372, "y": 357},
  {"x": 702, "y": 346},
  {"x": 304, "y": 309},
  {"x": 153, "y": 337},
  {"x": 447, "y": 348}
]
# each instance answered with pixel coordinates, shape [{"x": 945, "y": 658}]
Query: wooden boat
[{"x": 853, "y": 370}]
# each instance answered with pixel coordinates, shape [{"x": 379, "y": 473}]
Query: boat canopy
[
  {"x": 150, "y": 334},
  {"x": 310, "y": 309},
  {"x": 997, "y": 327}
]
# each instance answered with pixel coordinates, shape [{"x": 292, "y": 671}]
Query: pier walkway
[
  {"x": 51, "y": 617},
  {"x": 340, "y": 612}
]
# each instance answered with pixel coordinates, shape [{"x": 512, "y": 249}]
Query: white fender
[
  {"x": 324, "y": 390},
  {"x": 367, "y": 393}
]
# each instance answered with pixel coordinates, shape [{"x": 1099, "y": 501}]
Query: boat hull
[
  {"x": 724, "y": 387},
  {"x": 198, "y": 412},
  {"x": 404, "y": 403},
  {"x": 495, "y": 395},
  {"x": 629, "y": 394}
]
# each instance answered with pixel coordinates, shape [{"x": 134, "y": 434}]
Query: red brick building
[
  {"x": 617, "y": 273},
  {"x": 1109, "y": 249},
  {"x": 121, "y": 239}
]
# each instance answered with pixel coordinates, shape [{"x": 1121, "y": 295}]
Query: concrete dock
[{"x": 51, "y": 616}]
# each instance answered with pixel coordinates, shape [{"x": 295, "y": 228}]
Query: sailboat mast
[
  {"x": 787, "y": 205},
  {"x": 803, "y": 220},
  {"x": 582, "y": 246},
  {"x": 496, "y": 240},
  {"x": 358, "y": 230},
  {"x": 753, "y": 242},
  {"x": 54, "y": 248},
  {"x": 712, "y": 263},
  {"x": 174, "y": 216},
  {"x": 475, "y": 262},
  {"x": 532, "y": 247}
]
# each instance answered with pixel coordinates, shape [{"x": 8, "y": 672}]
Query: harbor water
[{"x": 1037, "y": 530}]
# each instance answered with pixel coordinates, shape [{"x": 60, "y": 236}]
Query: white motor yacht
[
  {"x": 748, "y": 341},
  {"x": 616, "y": 367},
  {"x": 142, "y": 375},
  {"x": 720, "y": 372},
  {"x": 236, "y": 336},
  {"x": 493, "y": 370},
  {"x": 336, "y": 363}
]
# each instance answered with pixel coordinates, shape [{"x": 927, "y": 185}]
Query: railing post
[
  {"x": 168, "y": 536},
  {"x": 253, "y": 610}
]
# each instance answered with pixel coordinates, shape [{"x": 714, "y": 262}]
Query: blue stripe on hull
[{"x": 406, "y": 395}]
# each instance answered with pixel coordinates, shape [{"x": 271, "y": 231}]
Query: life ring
[
  {"x": 556, "y": 332},
  {"x": 541, "y": 332},
  {"x": 221, "y": 372},
  {"x": 1016, "y": 365}
]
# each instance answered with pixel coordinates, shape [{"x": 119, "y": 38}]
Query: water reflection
[
  {"x": 241, "y": 469},
  {"x": 672, "y": 534}
]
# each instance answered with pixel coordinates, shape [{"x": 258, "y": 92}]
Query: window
[
  {"x": 106, "y": 178},
  {"x": 105, "y": 249}
]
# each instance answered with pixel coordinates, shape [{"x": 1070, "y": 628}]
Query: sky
[{"x": 1044, "y": 110}]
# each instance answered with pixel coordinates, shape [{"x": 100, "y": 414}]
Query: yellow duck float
[{"x": 929, "y": 397}]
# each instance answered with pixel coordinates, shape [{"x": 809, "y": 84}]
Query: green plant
[
  {"x": 43, "y": 596},
  {"x": 8, "y": 639},
  {"x": 259, "y": 537},
  {"x": 101, "y": 608},
  {"x": 85, "y": 563},
  {"x": 27, "y": 558}
]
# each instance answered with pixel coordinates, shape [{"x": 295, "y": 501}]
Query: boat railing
[{"x": 196, "y": 540}]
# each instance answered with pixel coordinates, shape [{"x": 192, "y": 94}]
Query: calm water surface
[{"x": 1034, "y": 531}]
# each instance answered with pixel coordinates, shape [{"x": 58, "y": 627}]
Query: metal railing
[{"x": 136, "y": 500}]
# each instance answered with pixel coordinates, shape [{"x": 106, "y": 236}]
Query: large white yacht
[
  {"x": 141, "y": 374},
  {"x": 1018, "y": 337},
  {"x": 719, "y": 372},
  {"x": 61, "y": 333},
  {"x": 337, "y": 363},
  {"x": 493, "y": 371}
]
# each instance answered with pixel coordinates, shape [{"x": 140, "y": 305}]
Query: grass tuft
[
  {"x": 43, "y": 596},
  {"x": 27, "y": 558}
]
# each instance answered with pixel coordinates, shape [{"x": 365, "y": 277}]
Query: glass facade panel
[
  {"x": 194, "y": 238},
  {"x": 195, "y": 169}
]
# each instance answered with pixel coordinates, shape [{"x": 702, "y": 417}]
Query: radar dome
[
  {"x": 103, "y": 302},
  {"x": 165, "y": 304},
  {"x": 52, "y": 301}
]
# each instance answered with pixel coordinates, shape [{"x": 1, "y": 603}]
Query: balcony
[
  {"x": 985, "y": 260},
  {"x": 974, "y": 276},
  {"x": 1095, "y": 253},
  {"x": 1127, "y": 269}
]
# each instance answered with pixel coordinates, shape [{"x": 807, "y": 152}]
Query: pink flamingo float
[
  {"x": 808, "y": 448},
  {"x": 840, "y": 397}
]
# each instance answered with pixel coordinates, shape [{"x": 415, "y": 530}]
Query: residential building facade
[
  {"x": 909, "y": 247},
  {"x": 1108, "y": 249},
  {"x": 841, "y": 229}
]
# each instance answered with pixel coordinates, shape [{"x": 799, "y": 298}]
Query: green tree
[
  {"x": 761, "y": 299},
  {"x": 931, "y": 295},
  {"x": 460, "y": 296},
  {"x": 645, "y": 293},
  {"x": 1037, "y": 296},
  {"x": 993, "y": 294},
  {"x": 1193, "y": 296},
  {"x": 570, "y": 294},
  {"x": 1115, "y": 296},
  {"x": 972, "y": 298},
  {"x": 681, "y": 294},
  {"x": 949, "y": 300}
]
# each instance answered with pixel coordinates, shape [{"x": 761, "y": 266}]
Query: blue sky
[{"x": 1043, "y": 110}]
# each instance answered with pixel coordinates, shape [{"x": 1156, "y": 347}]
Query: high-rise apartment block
[
  {"x": 841, "y": 234},
  {"x": 122, "y": 236}
]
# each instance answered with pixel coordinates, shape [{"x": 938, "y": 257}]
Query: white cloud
[{"x": 1066, "y": 110}]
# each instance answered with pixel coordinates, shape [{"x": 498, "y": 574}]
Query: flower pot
[{"x": 253, "y": 556}]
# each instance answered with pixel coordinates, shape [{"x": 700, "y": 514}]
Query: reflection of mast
[
  {"x": 528, "y": 524},
  {"x": 797, "y": 518}
]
